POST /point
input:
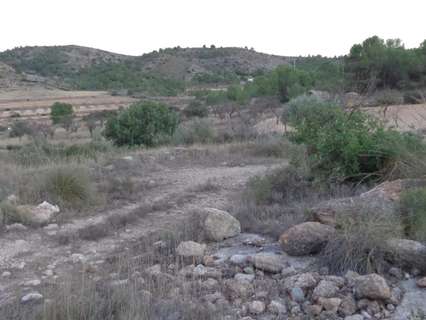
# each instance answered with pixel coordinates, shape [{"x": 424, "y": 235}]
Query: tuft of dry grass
[{"x": 357, "y": 244}]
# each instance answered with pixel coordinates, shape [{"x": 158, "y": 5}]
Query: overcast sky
[{"x": 296, "y": 27}]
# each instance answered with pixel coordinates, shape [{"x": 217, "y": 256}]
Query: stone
[
  {"x": 220, "y": 225},
  {"x": 305, "y": 238},
  {"x": 303, "y": 281},
  {"x": 235, "y": 289},
  {"x": 239, "y": 259},
  {"x": 313, "y": 310},
  {"x": 206, "y": 272},
  {"x": 355, "y": 317},
  {"x": 325, "y": 289},
  {"x": 241, "y": 277},
  {"x": 32, "y": 283},
  {"x": 32, "y": 297},
  {"x": 276, "y": 307},
  {"x": 330, "y": 304},
  {"x": 268, "y": 262},
  {"x": 372, "y": 286},
  {"x": 406, "y": 253},
  {"x": 297, "y": 294},
  {"x": 16, "y": 227},
  {"x": 350, "y": 277},
  {"x": 257, "y": 307},
  {"x": 421, "y": 282},
  {"x": 191, "y": 249},
  {"x": 39, "y": 215},
  {"x": 153, "y": 270},
  {"x": 412, "y": 303},
  {"x": 382, "y": 200},
  {"x": 348, "y": 306},
  {"x": 6, "y": 274}
]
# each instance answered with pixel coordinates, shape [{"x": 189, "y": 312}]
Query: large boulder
[
  {"x": 381, "y": 200},
  {"x": 305, "y": 238},
  {"x": 406, "y": 253},
  {"x": 372, "y": 286},
  {"x": 220, "y": 225}
]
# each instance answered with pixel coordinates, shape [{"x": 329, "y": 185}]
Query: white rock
[
  {"x": 6, "y": 274},
  {"x": 191, "y": 249},
  {"x": 32, "y": 297},
  {"x": 220, "y": 225},
  {"x": 32, "y": 283},
  {"x": 242, "y": 277}
]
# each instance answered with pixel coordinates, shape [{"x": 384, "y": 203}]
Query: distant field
[
  {"x": 402, "y": 117},
  {"x": 35, "y": 103}
]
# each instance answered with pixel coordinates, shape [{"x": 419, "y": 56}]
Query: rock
[
  {"x": 206, "y": 272},
  {"x": 32, "y": 283},
  {"x": 16, "y": 227},
  {"x": 396, "y": 272},
  {"x": 305, "y": 238},
  {"x": 325, "y": 289},
  {"x": 32, "y": 297},
  {"x": 350, "y": 277},
  {"x": 241, "y": 277},
  {"x": 355, "y": 317},
  {"x": 372, "y": 286},
  {"x": 348, "y": 306},
  {"x": 421, "y": 282},
  {"x": 277, "y": 307},
  {"x": 235, "y": 289},
  {"x": 297, "y": 294},
  {"x": 191, "y": 249},
  {"x": 406, "y": 253},
  {"x": 239, "y": 259},
  {"x": 313, "y": 310},
  {"x": 38, "y": 215},
  {"x": 268, "y": 262},
  {"x": 6, "y": 274},
  {"x": 220, "y": 225},
  {"x": 303, "y": 281},
  {"x": 256, "y": 307},
  {"x": 413, "y": 302},
  {"x": 330, "y": 304},
  {"x": 382, "y": 200},
  {"x": 153, "y": 270}
]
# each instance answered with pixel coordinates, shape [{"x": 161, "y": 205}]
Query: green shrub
[
  {"x": 141, "y": 124},
  {"x": 196, "y": 109},
  {"x": 194, "y": 131},
  {"x": 61, "y": 113},
  {"x": 413, "y": 206},
  {"x": 350, "y": 146}
]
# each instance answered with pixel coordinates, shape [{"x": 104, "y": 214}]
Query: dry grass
[{"x": 357, "y": 244}]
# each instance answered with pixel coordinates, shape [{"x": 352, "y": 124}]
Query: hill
[{"x": 164, "y": 72}]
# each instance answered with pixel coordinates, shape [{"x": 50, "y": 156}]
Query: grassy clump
[
  {"x": 357, "y": 243},
  {"x": 194, "y": 131},
  {"x": 413, "y": 207}
]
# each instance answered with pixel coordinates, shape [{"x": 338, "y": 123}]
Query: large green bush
[
  {"x": 62, "y": 114},
  {"x": 143, "y": 123},
  {"x": 351, "y": 145}
]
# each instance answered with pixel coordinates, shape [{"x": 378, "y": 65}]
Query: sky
[{"x": 134, "y": 27}]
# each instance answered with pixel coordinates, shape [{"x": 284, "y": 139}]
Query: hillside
[{"x": 164, "y": 72}]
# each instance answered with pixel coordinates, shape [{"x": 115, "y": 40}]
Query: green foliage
[
  {"x": 385, "y": 64},
  {"x": 196, "y": 109},
  {"x": 216, "y": 97},
  {"x": 126, "y": 75},
  {"x": 352, "y": 145},
  {"x": 143, "y": 123},
  {"x": 215, "y": 78},
  {"x": 413, "y": 206},
  {"x": 62, "y": 114}
]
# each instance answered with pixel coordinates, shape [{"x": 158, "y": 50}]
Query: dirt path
[{"x": 38, "y": 255}]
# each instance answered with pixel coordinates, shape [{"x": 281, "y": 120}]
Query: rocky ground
[{"x": 231, "y": 274}]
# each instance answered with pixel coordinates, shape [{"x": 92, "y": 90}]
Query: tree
[
  {"x": 62, "y": 114},
  {"x": 143, "y": 123}
]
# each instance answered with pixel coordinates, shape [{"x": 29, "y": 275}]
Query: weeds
[
  {"x": 413, "y": 207},
  {"x": 357, "y": 244}
]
